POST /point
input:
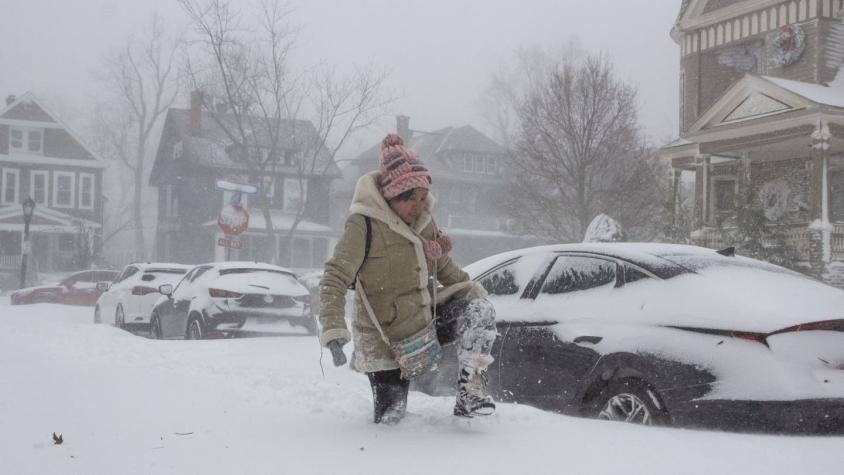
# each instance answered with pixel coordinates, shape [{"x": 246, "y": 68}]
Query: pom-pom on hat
[{"x": 401, "y": 169}]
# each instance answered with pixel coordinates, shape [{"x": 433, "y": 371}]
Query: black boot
[{"x": 389, "y": 396}]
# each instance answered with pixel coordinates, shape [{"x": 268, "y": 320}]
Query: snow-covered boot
[
  {"x": 389, "y": 396},
  {"x": 472, "y": 397}
]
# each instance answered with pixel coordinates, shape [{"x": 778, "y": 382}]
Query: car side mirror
[
  {"x": 166, "y": 289},
  {"x": 103, "y": 286}
]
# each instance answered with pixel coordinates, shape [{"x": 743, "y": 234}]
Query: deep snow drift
[{"x": 126, "y": 404}]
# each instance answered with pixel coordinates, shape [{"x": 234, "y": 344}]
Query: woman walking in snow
[{"x": 392, "y": 248}]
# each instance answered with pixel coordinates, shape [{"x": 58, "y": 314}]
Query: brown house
[
  {"x": 42, "y": 159},
  {"x": 195, "y": 152},
  {"x": 762, "y": 120}
]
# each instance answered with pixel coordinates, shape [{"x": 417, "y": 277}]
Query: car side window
[
  {"x": 502, "y": 281},
  {"x": 129, "y": 272},
  {"x": 578, "y": 273},
  {"x": 632, "y": 274},
  {"x": 199, "y": 272}
]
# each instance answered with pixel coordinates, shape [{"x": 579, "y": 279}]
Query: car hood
[{"x": 730, "y": 298}]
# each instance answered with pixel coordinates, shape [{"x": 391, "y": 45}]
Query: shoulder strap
[{"x": 368, "y": 222}]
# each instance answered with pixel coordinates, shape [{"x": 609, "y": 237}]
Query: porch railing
[
  {"x": 797, "y": 238},
  {"x": 10, "y": 261}
]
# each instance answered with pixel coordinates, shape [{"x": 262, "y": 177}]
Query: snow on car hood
[
  {"x": 730, "y": 298},
  {"x": 259, "y": 282}
]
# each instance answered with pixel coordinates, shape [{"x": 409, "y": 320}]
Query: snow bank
[{"x": 130, "y": 405}]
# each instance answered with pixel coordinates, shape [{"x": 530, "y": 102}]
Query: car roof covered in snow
[
  {"x": 249, "y": 265},
  {"x": 161, "y": 266},
  {"x": 664, "y": 260}
]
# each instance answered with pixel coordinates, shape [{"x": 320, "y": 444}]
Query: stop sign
[{"x": 233, "y": 219}]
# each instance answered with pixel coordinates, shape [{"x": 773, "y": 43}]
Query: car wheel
[
  {"x": 155, "y": 327},
  {"x": 120, "y": 318},
  {"x": 98, "y": 318},
  {"x": 630, "y": 400},
  {"x": 195, "y": 330}
]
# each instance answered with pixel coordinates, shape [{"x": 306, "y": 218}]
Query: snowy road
[{"x": 126, "y": 404}]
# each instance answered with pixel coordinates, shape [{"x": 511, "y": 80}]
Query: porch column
[
  {"x": 702, "y": 183},
  {"x": 820, "y": 230},
  {"x": 675, "y": 194}
]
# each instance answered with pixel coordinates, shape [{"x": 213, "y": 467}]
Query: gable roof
[
  {"x": 760, "y": 97},
  {"x": 211, "y": 146},
  {"x": 28, "y": 108},
  {"x": 431, "y": 147}
]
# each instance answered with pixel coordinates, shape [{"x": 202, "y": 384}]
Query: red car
[{"x": 79, "y": 288}]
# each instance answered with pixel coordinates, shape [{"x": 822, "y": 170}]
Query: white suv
[{"x": 129, "y": 299}]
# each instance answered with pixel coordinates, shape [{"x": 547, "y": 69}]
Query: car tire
[
  {"x": 120, "y": 318},
  {"x": 155, "y": 327},
  {"x": 98, "y": 318},
  {"x": 195, "y": 329},
  {"x": 630, "y": 400}
]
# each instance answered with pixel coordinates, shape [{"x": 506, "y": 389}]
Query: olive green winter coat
[{"x": 395, "y": 276}]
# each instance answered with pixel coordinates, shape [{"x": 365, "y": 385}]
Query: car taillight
[
  {"x": 143, "y": 290},
  {"x": 224, "y": 294},
  {"x": 305, "y": 299},
  {"x": 824, "y": 325},
  {"x": 757, "y": 337}
]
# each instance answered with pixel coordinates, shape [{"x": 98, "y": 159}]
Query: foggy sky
[{"x": 440, "y": 52}]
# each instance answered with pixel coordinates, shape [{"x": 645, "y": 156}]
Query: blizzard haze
[{"x": 440, "y": 54}]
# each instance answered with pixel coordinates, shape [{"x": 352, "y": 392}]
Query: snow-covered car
[
  {"x": 663, "y": 334},
  {"x": 127, "y": 302},
  {"x": 227, "y": 298},
  {"x": 79, "y": 288}
]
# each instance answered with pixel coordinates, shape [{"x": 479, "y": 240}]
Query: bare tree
[
  {"x": 572, "y": 129},
  {"x": 278, "y": 119},
  {"x": 140, "y": 83}
]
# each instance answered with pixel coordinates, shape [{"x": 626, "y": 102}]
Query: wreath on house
[
  {"x": 774, "y": 196},
  {"x": 788, "y": 45}
]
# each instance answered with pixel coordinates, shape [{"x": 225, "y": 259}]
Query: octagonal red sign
[{"x": 233, "y": 220}]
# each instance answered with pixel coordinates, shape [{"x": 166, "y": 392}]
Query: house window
[
  {"x": 86, "y": 191},
  {"x": 23, "y": 139},
  {"x": 724, "y": 194},
  {"x": 63, "y": 189},
  {"x": 294, "y": 194},
  {"x": 491, "y": 166},
  {"x": 10, "y": 182},
  {"x": 38, "y": 180}
]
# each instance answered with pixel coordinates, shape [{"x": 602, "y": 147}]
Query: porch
[{"x": 770, "y": 148}]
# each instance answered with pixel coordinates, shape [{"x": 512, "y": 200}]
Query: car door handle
[{"x": 594, "y": 340}]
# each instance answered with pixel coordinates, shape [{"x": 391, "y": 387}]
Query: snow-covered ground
[{"x": 126, "y": 404}]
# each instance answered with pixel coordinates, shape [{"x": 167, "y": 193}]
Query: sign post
[{"x": 233, "y": 219}]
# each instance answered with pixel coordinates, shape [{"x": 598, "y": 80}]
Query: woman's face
[{"x": 409, "y": 210}]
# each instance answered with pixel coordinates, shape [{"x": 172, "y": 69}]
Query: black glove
[{"x": 336, "y": 347}]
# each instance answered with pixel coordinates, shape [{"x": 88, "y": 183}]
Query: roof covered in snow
[{"x": 819, "y": 93}]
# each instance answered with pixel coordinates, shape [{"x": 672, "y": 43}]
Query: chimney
[
  {"x": 403, "y": 128},
  {"x": 10, "y": 99},
  {"x": 195, "y": 112}
]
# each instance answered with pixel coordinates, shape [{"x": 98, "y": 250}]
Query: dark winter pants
[{"x": 468, "y": 323}]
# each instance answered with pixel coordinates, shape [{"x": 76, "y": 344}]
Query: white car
[
  {"x": 128, "y": 300},
  {"x": 228, "y": 298}
]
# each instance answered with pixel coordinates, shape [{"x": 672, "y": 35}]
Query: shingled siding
[{"x": 795, "y": 174}]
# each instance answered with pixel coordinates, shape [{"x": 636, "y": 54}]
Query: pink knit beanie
[{"x": 401, "y": 170}]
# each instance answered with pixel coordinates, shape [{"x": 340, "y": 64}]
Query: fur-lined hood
[{"x": 368, "y": 201}]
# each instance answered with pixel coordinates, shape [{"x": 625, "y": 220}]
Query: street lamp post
[{"x": 28, "y": 209}]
